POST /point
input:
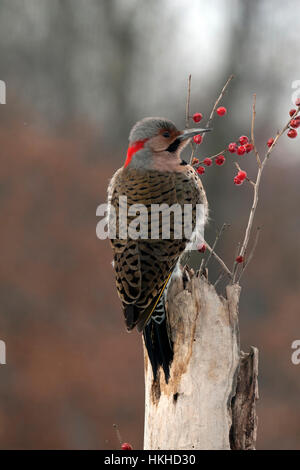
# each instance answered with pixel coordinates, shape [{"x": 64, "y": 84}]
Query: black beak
[{"x": 188, "y": 133}]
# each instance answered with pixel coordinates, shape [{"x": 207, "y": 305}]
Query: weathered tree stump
[{"x": 209, "y": 402}]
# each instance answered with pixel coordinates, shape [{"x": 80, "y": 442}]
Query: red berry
[
  {"x": 198, "y": 139},
  {"x": 242, "y": 175},
  {"x": 241, "y": 150},
  {"x": 295, "y": 123},
  {"x": 243, "y": 140},
  {"x": 201, "y": 248},
  {"x": 297, "y": 102},
  {"x": 197, "y": 117},
  {"x": 292, "y": 112},
  {"x": 249, "y": 147},
  {"x": 200, "y": 170},
  {"x": 207, "y": 161},
  {"x": 221, "y": 111},
  {"x": 195, "y": 161},
  {"x": 126, "y": 446},
  {"x": 292, "y": 133},
  {"x": 237, "y": 180},
  {"x": 232, "y": 148},
  {"x": 239, "y": 259},
  {"x": 220, "y": 160},
  {"x": 270, "y": 142}
]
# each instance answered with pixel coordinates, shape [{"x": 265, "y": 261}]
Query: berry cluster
[
  {"x": 241, "y": 147},
  {"x": 240, "y": 177},
  {"x": 293, "y": 124}
]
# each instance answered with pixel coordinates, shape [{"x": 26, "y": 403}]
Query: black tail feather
[{"x": 159, "y": 346}]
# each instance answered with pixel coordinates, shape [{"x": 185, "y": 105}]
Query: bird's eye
[{"x": 166, "y": 134}]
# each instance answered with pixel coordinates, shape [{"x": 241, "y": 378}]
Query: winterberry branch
[
  {"x": 256, "y": 186},
  {"x": 245, "y": 242},
  {"x": 207, "y": 160},
  {"x": 241, "y": 147},
  {"x": 218, "y": 101},
  {"x": 246, "y": 177},
  {"x": 279, "y": 134},
  {"x": 211, "y": 114},
  {"x": 251, "y": 254}
]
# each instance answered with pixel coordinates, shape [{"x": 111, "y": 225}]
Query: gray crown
[{"x": 149, "y": 127}]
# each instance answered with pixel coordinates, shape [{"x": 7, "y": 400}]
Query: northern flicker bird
[{"x": 153, "y": 173}]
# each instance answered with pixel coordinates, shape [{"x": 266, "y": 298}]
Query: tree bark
[{"x": 209, "y": 401}]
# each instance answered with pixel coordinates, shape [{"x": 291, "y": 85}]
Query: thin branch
[
  {"x": 218, "y": 279},
  {"x": 220, "y": 261},
  {"x": 251, "y": 253},
  {"x": 212, "y": 157},
  {"x": 250, "y": 221},
  {"x": 201, "y": 268},
  {"x": 219, "y": 234},
  {"x": 236, "y": 255},
  {"x": 193, "y": 152},
  {"x": 188, "y": 99},
  {"x": 187, "y": 114},
  {"x": 119, "y": 437},
  {"x": 252, "y": 131},
  {"x": 218, "y": 101}
]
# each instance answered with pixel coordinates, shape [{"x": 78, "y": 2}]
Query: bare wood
[
  {"x": 193, "y": 411},
  {"x": 244, "y": 419}
]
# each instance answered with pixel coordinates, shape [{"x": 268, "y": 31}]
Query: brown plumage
[
  {"x": 143, "y": 266},
  {"x": 154, "y": 175}
]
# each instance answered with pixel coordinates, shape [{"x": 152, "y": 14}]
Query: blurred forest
[{"x": 78, "y": 76}]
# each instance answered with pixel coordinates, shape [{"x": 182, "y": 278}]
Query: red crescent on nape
[{"x": 135, "y": 147}]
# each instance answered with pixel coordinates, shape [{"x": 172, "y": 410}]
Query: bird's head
[{"x": 156, "y": 143}]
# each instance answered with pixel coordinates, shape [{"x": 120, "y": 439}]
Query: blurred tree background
[{"x": 78, "y": 75}]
